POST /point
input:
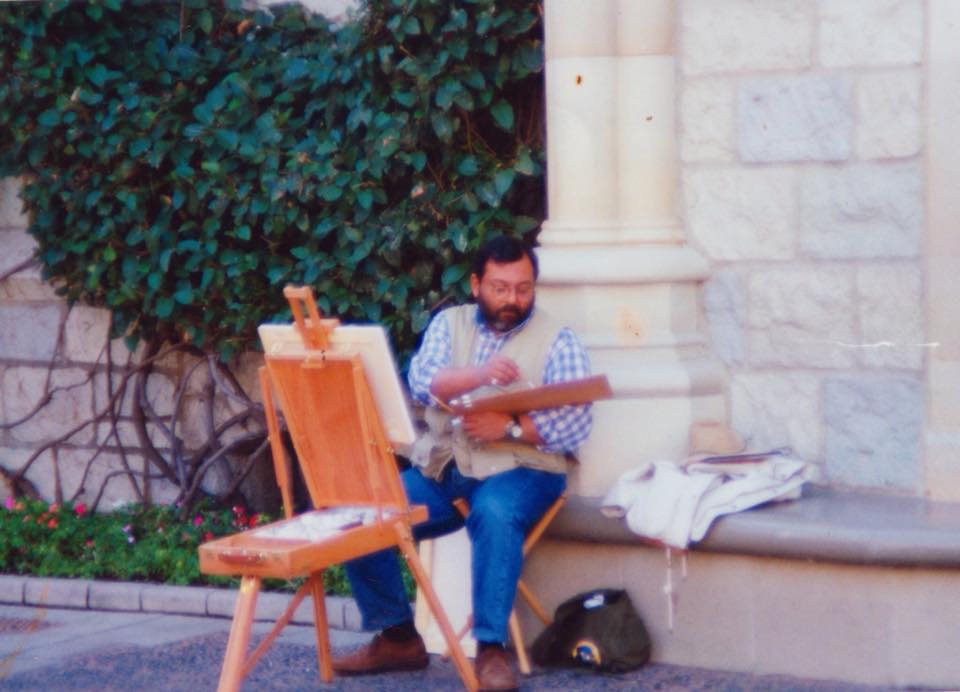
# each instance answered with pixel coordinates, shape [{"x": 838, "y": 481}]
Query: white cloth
[{"x": 677, "y": 504}]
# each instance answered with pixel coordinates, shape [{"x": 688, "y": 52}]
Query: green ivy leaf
[
  {"x": 49, "y": 118},
  {"x": 453, "y": 274},
  {"x": 502, "y": 113},
  {"x": 468, "y": 166}
]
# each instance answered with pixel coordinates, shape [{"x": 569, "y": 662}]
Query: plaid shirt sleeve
[
  {"x": 434, "y": 355},
  {"x": 565, "y": 428}
]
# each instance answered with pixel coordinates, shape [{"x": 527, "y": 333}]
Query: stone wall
[
  {"x": 803, "y": 134},
  {"x": 48, "y": 348},
  {"x": 803, "y": 182}
]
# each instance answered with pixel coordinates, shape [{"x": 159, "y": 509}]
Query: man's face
[{"x": 505, "y": 294}]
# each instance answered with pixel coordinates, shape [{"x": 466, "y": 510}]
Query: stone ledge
[{"x": 826, "y": 524}]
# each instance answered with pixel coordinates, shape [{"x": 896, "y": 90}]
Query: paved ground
[{"x": 44, "y": 648}]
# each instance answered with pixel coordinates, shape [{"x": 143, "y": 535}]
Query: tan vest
[{"x": 529, "y": 348}]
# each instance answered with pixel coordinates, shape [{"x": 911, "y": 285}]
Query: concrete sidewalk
[{"x": 86, "y": 635}]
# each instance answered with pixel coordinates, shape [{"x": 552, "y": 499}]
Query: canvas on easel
[{"x": 321, "y": 373}]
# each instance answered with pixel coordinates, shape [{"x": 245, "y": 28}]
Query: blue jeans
[{"x": 503, "y": 508}]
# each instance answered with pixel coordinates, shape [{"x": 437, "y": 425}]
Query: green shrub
[
  {"x": 185, "y": 160},
  {"x": 134, "y": 543}
]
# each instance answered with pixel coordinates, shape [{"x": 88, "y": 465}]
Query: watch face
[{"x": 516, "y": 432}]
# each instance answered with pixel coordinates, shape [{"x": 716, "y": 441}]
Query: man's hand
[
  {"x": 499, "y": 370},
  {"x": 451, "y": 382},
  {"x": 486, "y": 427}
]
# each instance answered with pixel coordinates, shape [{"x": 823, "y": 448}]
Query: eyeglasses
[{"x": 502, "y": 290}]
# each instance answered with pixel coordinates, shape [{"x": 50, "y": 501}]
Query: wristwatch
[{"x": 514, "y": 430}]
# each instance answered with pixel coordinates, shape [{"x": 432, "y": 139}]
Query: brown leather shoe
[
  {"x": 381, "y": 654},
  {"x": 494, "y": 668}
]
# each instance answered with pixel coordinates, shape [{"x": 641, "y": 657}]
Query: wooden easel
[{"x": 350, "y": 472}]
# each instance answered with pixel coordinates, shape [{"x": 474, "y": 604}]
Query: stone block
[
  {"x": 161, "y": 391},
  {"x": 706, "y": 120},
  {"x": 163, "y": 491},
  {"x": 18, "y": 246},
  {"x": 942, "y": 466},
  {"x": 12, "y": 587},
  {"x": 221, "y": 602},
  {"x": 85, "y": 335},
  {"x": 41, "y": 473},
  {"x": 890, "y": 308},
  {"x": 771, "y": 410},
  {"x": 245, "y": 369},
  {"x": 270, "y": 605},
  {"x": 184, "y": 600},
  {"x": 874, "y": 428},
  {"x": 738, "y": 35},
  {"x": 56, "y": 593},
  {"x": 943, "y": 382},
  {"x": 30, "y": 330},
  {"x": 802, "y": 317},
  {"x": 871, "y": 32},
  {"x": 107, "y": 595},
  {"x": 725, "y": 304},
  {"x": 71, "y": 403},
  {"x": 740, "y": 214},
  {"x": 126, "y": 432},
  {"x": 82, "y": 475},
  {"x": 797, "y": 118},
  {"x": 890, "y": 122},
  {"x": 11, "y": 206},
  {"x": 28, "y": 285},
  {"x": 862, "y": 211}
]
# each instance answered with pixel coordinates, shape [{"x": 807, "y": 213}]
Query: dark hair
[{"x": 502, "y": 250}]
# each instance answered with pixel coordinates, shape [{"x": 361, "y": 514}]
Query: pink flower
[
  {"x": 80, "y": 509},
  {"x": 52, "y": 524},
  {"x": 10, "y": 502},
  {"x": 54, "y": 507},
  {"x": 89, "y": 542},
  {"x": 197, "y": 520}
]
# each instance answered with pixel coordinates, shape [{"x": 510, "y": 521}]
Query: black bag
[{"x": 599, "y": 629}]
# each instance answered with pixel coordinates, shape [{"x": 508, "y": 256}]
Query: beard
[{"x": 503, "y": 319}]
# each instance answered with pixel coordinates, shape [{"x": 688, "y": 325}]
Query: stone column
[
  {"x": 943, "y": 253},
  {"x": 613, "y": 256}
]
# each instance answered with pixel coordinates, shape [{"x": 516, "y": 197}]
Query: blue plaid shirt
[{"x": 563, "y": 429}]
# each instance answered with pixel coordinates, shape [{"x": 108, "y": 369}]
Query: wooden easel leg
[
  {"x": 231, "y": 675},
  {"x": 517, "y": 637},
  {"x": 321, "y": 626},
  {"x": 419, "y": 573}
]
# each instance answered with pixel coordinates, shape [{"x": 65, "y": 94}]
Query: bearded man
[{"x": 509, "y": 468}]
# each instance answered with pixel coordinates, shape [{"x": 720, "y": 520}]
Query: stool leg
[
  {"x": 514, "y": 625},
  {"x": 231, "y": 675}
]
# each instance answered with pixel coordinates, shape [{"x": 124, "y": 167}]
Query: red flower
[
  {"x": 208, "y": 536},
  {"x": 80, "y": 509},
  {"x": 52, "y": 524},
  {"x": 254, "y": 520},
  {"x": 197, "y": 520}
]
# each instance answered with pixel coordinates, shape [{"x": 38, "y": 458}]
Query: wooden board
[{"x": 544, "y": 397}]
